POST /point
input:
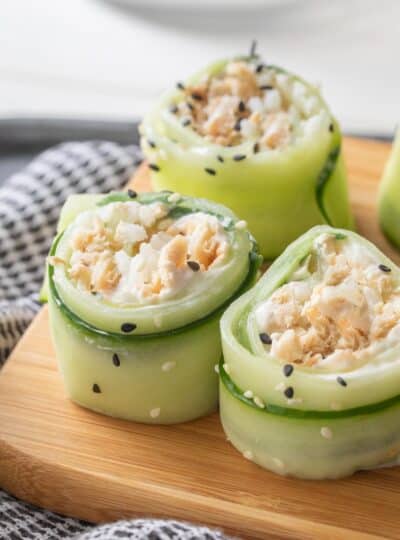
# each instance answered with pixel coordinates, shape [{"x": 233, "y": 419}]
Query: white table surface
[{"x": 92, "y": 59}]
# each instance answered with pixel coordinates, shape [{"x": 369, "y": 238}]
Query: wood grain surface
[{"x": 65, "y": 458}]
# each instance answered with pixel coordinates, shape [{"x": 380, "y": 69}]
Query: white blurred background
[{"x": 101, "y": 60}]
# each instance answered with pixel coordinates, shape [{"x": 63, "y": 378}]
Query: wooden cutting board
[{"x": 70, "y": 460}]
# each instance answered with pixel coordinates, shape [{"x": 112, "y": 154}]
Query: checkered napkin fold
[{"x": 30, "y": 203}]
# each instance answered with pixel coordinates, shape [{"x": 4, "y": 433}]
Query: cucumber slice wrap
[
  {"x": 389, "y": 195},
  {"x": 165, "y": 375},
  {"x": 305, "y": 179},
  {"x": 304, "y": 420}
]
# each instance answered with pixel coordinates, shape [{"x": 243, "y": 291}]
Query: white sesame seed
[
  {"x": 326, "y": 432},
  {"x": 248, "y": 454},
  {"x": 155, "y": 412},
  {"x": 335, "y": 406},
  {"x": 278, "y": 463},
  {"x": 241, "y": 225},
  {"x": 167, "y": 366},
  {"x": 227, "y": 368},
  {"x": 259, "y": 402},
  {"x": 280, "y": 387},
  {"x": 294, "y": 401},
  {"x": 216, "y": 368},
  {"x": 248, "y": 394},
  {"x": 174, "y": 198},
  {"x": 157, "y": 319}
]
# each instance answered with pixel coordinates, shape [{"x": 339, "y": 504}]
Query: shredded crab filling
[
  {"x": 339, "y": 308},
  {"x": 132, "y": 252},
  {"x": 252, "y": 101}
]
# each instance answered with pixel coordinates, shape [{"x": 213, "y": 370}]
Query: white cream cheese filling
[
  {"x": 339, "y": 309},
  {"x": 133, "y": 253}
]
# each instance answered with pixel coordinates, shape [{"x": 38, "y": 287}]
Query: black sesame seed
[
  {"x": 287, "y": 370},
  {"x": 173, "y": 109},
  {"x": 196, "y": 96},
  {"x": 138, "y": 162},
  {"x": 132, "y": 193},
  {"x": 236, "y": 127},
  {"x": 259, "y": 68},
  {"x": 128, "y": 327},
  {"x": 341, "y": 381},
  {"x": 93, "y": 292},
  {"x": 289, "y": 392},
  {"x": 256, "y": 148},
  {"x": 116, "y": 360},
  {"x": 220, "y": 159},
  {"x": 190, "y": 106},
  {"x": 265, "y": 338},
  {"x": 186, "y": 122},
  {"x": 180, "y": 86},
  {"x": 266, "y": 87},
  {"x": 193, "y": 265},
  {"x": 213, "y": 172},
  {"x": 239, "y": 157},
  {"x": 151, "y": 143},
  {"x": 242, "y": 106},
  {"x": 384, "y": 268},
  {"x": 154, "y": 167},
  {"x": 96, "y": 389},
  {"x": 331, "y": 128}
]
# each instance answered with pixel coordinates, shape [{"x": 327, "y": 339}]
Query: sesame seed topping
[
  {"x": 132, "y": 193},
  {"x": 248, "y": 454},
  {"x": 96, "y": 389},
  {"x": 173, "y": 109},
  {"x": 280, "y": 387},
  {"x": 151, "y": 143},
  {"x": 384, "y": 268},
  {"x": 190, "y": 106},
  {"x": 248, "y": 394},
  {"x": 154, "y": 167},
  {"x": 227, "y": 369},
  {"x": 241, "y": 225},
  {"x": 193, "y": 265},
  {"x": 265, "y": 338},
  {"x": 220, "y": 159},
  {"x": 213, "y": 172},
  {"x": 174, "y": 198},
  {"x": 331, "y": 128},
  {"x": 116, "y": 360},
  {"x": 260, "y": 67},
  {"x": 236, "y": 127},
  {"x": 239, "y": 157},
  {"x": 294, "y": 401},
  {"x": 167, "y": 366},
  {"x": 266, "y": 87},
  {"x": 256, "y": 148},
  {"x": 341, "y": 381},
  {"x": 180, "y": 86},
  {"x": 155, "y": 412},
  {"x": 242, "y": 106},
  {"x": 216, "y": 368},
  {"x": 186, "y": 122},
  {"x": 326, "y": 433},
  {"x": 259, "y": 402},
  {"x": 289, "y": 392},
  {"x": 138, "y": 162},
  {"x": 278, "y": 463},
  {"x": 196, "y": 96},
  {"x": 287, "y": 370},
  {"x": 128, "y": 327}
]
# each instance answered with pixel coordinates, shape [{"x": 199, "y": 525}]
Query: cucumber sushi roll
[
  {"x": 309, "y": 383},
  {"x": 137, "y": 285},
  {"x": 254, "y": 137}
]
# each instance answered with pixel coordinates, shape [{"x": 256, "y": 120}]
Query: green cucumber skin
[
  {"x": 295, "y": 447},
  {"x": 187, "y": 391},
  {"x": 389, "y": 195}
]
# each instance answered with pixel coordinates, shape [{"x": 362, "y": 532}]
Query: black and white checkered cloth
[{"x": 30, "y": 203}]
